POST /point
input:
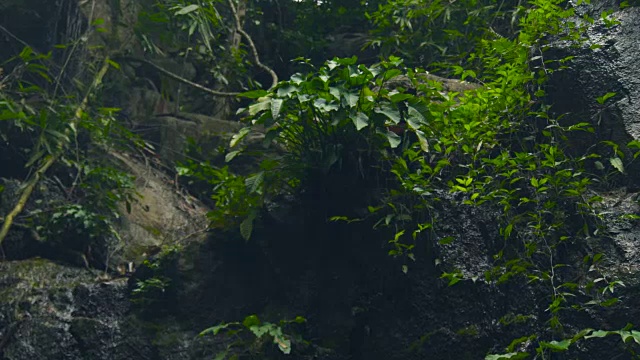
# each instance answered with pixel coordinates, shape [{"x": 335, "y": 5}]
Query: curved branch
[
  {"x": 252, "y": 46},
  {"x": 179, "y": 78}
]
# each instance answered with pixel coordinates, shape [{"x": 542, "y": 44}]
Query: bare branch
[
  {"x": 252, "y": 46},
  {"x": 180, "y": 78}
]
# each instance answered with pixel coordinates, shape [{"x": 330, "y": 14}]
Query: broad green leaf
[
  {"x": 323, "y": 105},
  {"x": 635, "y": 335},
  {"x": 297, "y": 78},
  {"x": 351, "y": 99},
  {"x": 283, "y": 343},
  {"x": 276, "y": 105},
  {"x": 260, "y": 106},
  {"x": 389, "y": 74},
  {"x": 360, "y": 121},
  {"x": 389, "y": 112},
  {"x": 286, "y": 90},
  {"x": 557, "y": 345},
  {"x": 415, "y": 116},
  {"x": 260, "y": 330},
  {"x": 335, "y": 92},
  {"x": 394, "y": 139}
]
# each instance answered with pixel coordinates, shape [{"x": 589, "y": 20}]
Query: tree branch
[
  {"x": 254, "y": 52},
  {"x": 179, "y": 78},
  {"x": 53, "y": 157},
  {"x": 252, "y": 46}
]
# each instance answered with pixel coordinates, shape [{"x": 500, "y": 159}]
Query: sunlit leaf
[
  {"x": 616, "y": 162},
  {"x": 187, "y": 9},
  {"x": 360, "y": 121}
]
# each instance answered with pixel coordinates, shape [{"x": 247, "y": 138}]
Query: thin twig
[{"x": 10, "y": 34}]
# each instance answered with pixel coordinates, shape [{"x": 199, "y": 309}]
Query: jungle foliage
[{"x": 380, "y": 134}]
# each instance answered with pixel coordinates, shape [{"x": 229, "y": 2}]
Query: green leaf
[
  {"x": 286, "y": 90},
  {"x": 251, "y": 320},
  {"x": 424, "y": 144},
  {"x": 394, "y": 139},
  {"x": 415, "y": 116},
  {"x": 557, "y": 345},
  {"x": 276, "y": 105},
  {"x": 389, "y": 112},
  {"x": 616, "y": 162},
  {"x": 602, "y": 99},
  {"x": 260, "y": 106},
  {"x": 597, "y": 334},
  {"x": 283, "y": 343},
  {"x": 254, "y": 182},
  {"x": 114, "y": 64},
  {"x": 260, "y": 330},
  {"x": 231, "y": 155},
  {"x": 239, "y": 136},
  {"x": 389, "y": 74},
  {"x": 220, "y": 355},
  {"x": 187, "y": 9},
  {"x": 215, "y": 329},
  {"x": 400, "y": 97},
  {"x": 246, "y": 227},
  {"x": 609, "y": 302},
  {"x": 360, "y": 121},
  {"x": 254, "y": 94},
  {"x": 509, "y": 356},
  {"x": 323, "y": 105},
  {"x": 636, "y": 336},
  {"x": 351, "y": 99}
]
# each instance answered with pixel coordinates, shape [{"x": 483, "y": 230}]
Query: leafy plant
[
  {"x": 61, "y": 133},
  {"x": 156, "y": 278},
  {"x": 260, "y": 332}
]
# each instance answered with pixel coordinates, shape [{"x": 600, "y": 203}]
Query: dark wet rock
[{"x": 606, "y": 62}]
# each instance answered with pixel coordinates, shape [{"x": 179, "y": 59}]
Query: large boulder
[{"x": 605, "y": 63}]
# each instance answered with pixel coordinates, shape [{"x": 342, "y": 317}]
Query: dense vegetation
[{"x": 361, "y": 132}]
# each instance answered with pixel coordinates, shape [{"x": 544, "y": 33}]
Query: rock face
[
  {"x": 607, "y": 62},
  {"x": 49, "y": 311},
  {"x": 357, "y": 301}
]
